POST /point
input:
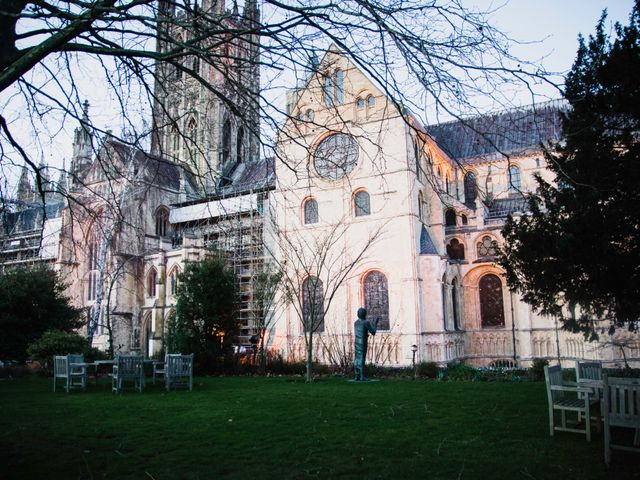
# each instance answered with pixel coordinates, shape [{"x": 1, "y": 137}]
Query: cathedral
[{"x": 411, "y": 214}]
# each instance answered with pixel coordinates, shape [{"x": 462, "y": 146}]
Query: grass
[{"x": 282, "y": 428}]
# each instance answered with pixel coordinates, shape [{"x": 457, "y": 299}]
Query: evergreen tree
[
  {"x": 206, "y": 321},
  {"x": 32, "y": 301},
  {"x": 577, "y": 254}
]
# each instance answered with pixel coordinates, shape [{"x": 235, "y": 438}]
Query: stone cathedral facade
[{"x": 438, "y": 196}]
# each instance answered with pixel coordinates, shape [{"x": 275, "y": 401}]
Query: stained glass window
[
  {"x": 336, "y": 156},
  {"x": 376, "y": 298},
  {"x": 162, "y": 219},
  {"x": 151, "y": 282},
  {"x": 470, "y": 188},
  {"x": 313, "y": 304},
  {"x": 491, "y": 304},
  {"x": 487, "y": 247}
]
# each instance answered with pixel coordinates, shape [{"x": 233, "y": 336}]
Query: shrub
[
  {"x": 57, "y": 342},
  {"x": 460, "y": 372},
  {"x": 536, "y": 372},
  {"x": 427, "y": 369}
]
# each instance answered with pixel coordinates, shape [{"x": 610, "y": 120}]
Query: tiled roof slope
[
  {"x": 427, "y": 247},
  {"x": 490, "y": 137}
]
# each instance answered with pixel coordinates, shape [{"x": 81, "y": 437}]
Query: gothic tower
[
  {"x": 81, "y": 158},
  {"x": 209, "y": 128}
]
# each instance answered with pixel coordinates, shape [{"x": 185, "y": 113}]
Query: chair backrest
[
  {"x": 60, "y": 366},
  {"x": 588, "y": 370},
  {"x": 553, "y": 377},
  {"x": 178, "y": 365},
  {"x": 128, "y": 365},
  {"x": 622, "y": 401}
]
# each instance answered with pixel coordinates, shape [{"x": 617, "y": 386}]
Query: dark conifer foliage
[
  {"x": 32, "y": 301},
  {"x": 577, "y": 254}
]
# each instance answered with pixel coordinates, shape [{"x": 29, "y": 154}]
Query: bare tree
[
  {"x": 315, "y": 266},
  {"x": 265, "y": 285},
  {"x": 439, "y": 56}
]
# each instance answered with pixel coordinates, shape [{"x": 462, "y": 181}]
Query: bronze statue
[{"x": 361, "y": 329}]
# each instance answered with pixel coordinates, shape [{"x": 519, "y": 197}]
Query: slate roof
[
  {"x": 28, "y": 218},
  {"x": 157, "y": 171},
  {"x": 248, "y": 176},
  {"x": 427, "y": 247},
  {"x": 491, "y": 137}
]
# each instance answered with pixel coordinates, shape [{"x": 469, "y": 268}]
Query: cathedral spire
[
  {"x": 82, "y": 145},
  {"x": 25, "y": 192}
]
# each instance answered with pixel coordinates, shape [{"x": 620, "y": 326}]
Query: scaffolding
[{"x": 233, "y": 226}]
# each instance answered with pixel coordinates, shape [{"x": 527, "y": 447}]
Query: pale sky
[{"x": 550, "y": 28}]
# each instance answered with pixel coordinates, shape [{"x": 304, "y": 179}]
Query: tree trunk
[{"x": 310, "y": 358}]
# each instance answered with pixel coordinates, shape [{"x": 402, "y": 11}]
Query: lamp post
[{"x": 414, "y": 349}]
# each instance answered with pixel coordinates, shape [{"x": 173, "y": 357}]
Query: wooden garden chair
[
  {"x": 72, "y": 369},
  {"x": 567, "y": 397},
  {"x": 178, "y": 371},
  {"x": 621, "y": 401},
  {"x": 127, "y": 368},
  {"x": 589, "y": 375}
]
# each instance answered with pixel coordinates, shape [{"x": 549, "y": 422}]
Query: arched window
[
  {"x": 309, "y": 115},
  {"x": 470, "y": 189},
  {"x": 376, "y": 298},
  {"x": 173, "y": 281},
  {"x": 447, "y": 184},
  {"x": 226, "y": 140},
  {"x": 455, "y": 249},
  {"x": 162, "y": 220},
  {"x": 444, "y": 304},
  {"x": 416, "y": 155},
  {"x": 450, "y": 218},
  {"x": 151, "y": 282},
  {"x": 454, "y": 304},
  {"x": 360, "y": 104},
  {"x": 328, "y": 91},
  {"x": 94, "y": 271},
  {"x": 175, "y": 138},
  {"x": 313, "y": 305},
  {"x": 420, "y": 206},
  {"x": 487, "y": 247},
  {"x": 310, "y": 212},
  {"x": 192, "y": 133},
  {"x": 491, "y": 304},
  {"x": 371, "y": 101},
  {"x": 464, "y": 219},
  {"x": 514, "y": 179},
  {"x": 179, "y": 57},
  {"x": 240, "y": 145},
  {"x": 334, "y": 88},
  {"x": 361, "y": 204},
  {"x": 339, "y": 87}
]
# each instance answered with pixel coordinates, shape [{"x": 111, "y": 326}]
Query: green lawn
[{"x": 283, "y": 428}]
